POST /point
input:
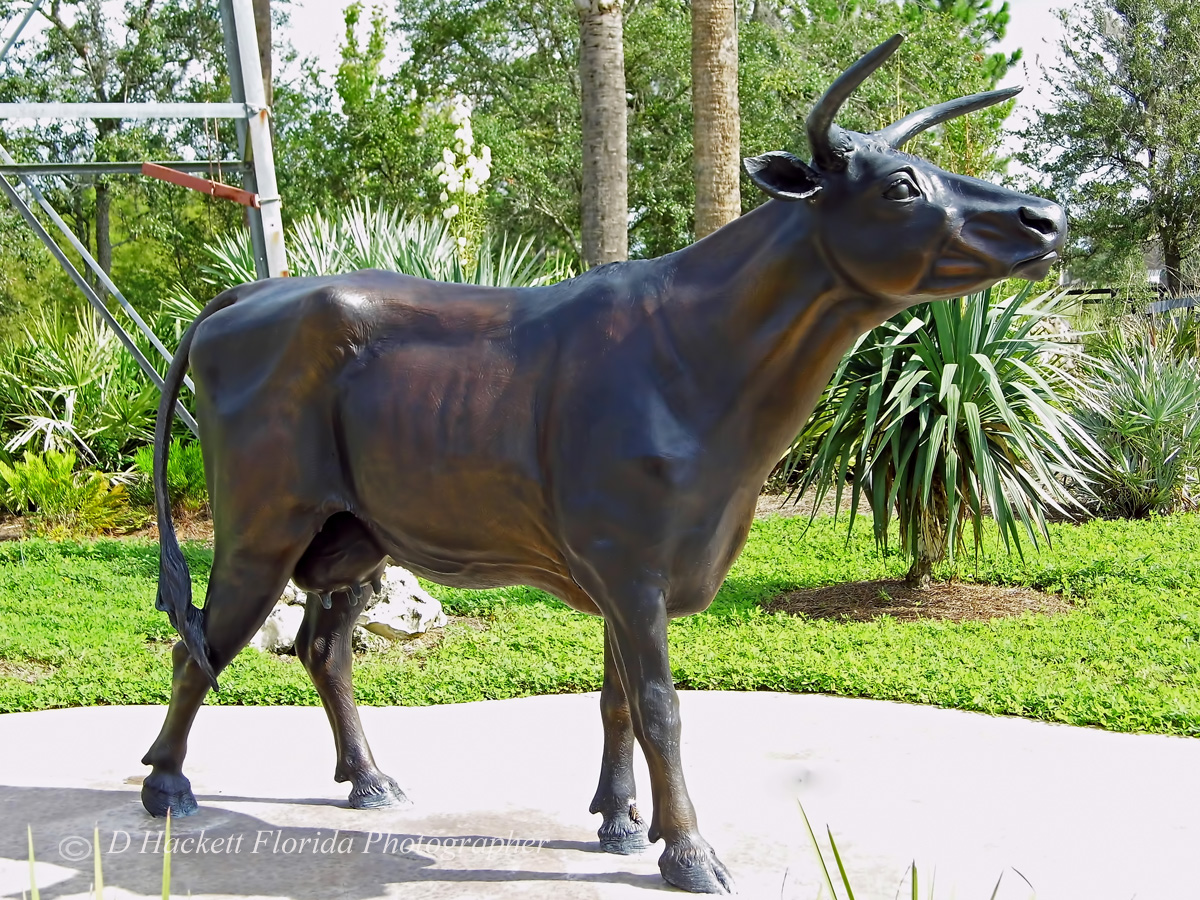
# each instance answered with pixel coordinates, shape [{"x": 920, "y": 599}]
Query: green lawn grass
[{"x": 78, "y": 626}]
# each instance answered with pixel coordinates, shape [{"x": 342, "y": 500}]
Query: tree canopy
[
  {"x": 376, "y": 130},
  {"x": 147, "y": 234},
  {"x": 517, "y": 59},
  {"x": 1121, "y": 144}
]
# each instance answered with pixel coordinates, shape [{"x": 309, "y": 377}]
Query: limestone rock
[
  {"x": 399, "y": 612},
  {"x": 362, "y": 641},
  {"x": 402, "y": 610},
  {"x": 278, "y": 633},
  {"x": 292, "y": 595}
]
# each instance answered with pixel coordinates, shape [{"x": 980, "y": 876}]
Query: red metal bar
[{"x": 203, "y": 185}]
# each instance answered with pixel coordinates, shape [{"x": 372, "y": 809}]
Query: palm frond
[{"x": 946, "y": 409}]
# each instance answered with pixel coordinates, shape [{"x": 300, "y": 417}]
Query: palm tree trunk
[
  {"x": 604, "y": 201},
  {"x": 1172, "y": 264},
  {"x": 716, "y": 126},
  {"x": 924, "y": 529},
  {"x": 262, "y": 27},
  {"x": 103, "y": 231}
]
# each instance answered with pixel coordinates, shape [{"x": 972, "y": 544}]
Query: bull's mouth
[{"x": 1037, "y": 268}]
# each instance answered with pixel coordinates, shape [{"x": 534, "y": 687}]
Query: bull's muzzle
[{"x": 1045, "y": 225}]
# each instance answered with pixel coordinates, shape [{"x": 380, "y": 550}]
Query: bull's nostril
[{"x": 1038, "y": 221}]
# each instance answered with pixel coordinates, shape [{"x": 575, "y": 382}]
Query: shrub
[
  {"x": 363, "y": 237},
  {"x": 61, "y": 502},
  {"x": 68, "y": 383},
  {"x": 1141, "y": 403},
  {"x": 1112, "y": 332},
  {"x": 943, "y": 409},
  {"x": 185, "y": 476}
]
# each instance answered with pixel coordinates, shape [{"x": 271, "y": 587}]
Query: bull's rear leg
[
  {"x": 623, "y": 830},
  {"x": 242, "y": 589},
  {"x": 323, "y": 645}
]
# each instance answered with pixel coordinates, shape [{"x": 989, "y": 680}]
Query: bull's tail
[{"x": 174, "y": 579}]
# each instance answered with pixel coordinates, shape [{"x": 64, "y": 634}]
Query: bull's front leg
[
  {"x": 637, "y": 619},
  {"x": 623, "y": 830}
]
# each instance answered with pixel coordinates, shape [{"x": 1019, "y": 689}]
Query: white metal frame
[{"x": 252, "y": 118}]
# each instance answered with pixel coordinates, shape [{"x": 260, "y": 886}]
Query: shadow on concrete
[{"x": 302, "y": 863}]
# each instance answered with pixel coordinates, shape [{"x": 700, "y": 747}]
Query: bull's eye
[{"x": 902, "y": 189}]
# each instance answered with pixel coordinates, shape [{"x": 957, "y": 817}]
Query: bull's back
[
  {"x": 414, "y": 405},
  {"x": 291, "y": 339}
]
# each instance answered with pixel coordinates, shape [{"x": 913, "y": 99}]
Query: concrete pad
[{"x": 1080, "y": 813}]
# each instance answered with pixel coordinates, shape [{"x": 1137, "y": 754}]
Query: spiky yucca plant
[
  {"x": 68, "y": 383},
  {"x": 366, "y": 237},
  {"x": 1141, "y": 403},
  {"x": 946, "y": 409}
]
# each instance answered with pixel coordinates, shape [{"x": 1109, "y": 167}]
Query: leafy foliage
[
  {"x": 946, "y": 408},
  {"x": 1114, "y": 330},
  {"x": 24, "y": 287},
  {"x": 59, "y": 501},
  {"x": 366, "y": 237},
  {"x": 68, "y": 382},
  {"x": 185, "y": 476},
  {"x": 367, "y": 139},
  {"x": 1141, "y": 403},
  {"x": 785, "y": 68},
  {"x": 1121, "y": 143},
  {"x": 145, "y": 233},
  {"x": 526, "y": 103}
]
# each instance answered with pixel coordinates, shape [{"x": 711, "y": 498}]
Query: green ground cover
[{"x": 77, "y": 627}]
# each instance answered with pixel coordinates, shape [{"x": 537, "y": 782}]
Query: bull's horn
[
  {"x": 828, "y": 152},
  {"x": 898, "y": 133}
]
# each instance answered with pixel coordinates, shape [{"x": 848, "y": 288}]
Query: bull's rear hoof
[
  {"x": 381, "y": 793},
  {"x": 694, "y": 867},
  {"x": 623, "y": 833},
  {"x": 161, "y": 793}
]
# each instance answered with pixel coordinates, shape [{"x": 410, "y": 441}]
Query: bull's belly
[{"x": 446, "y": 533}]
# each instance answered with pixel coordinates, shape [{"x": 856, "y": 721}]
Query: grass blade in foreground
[
  {"x": 166, "y": 882},
  {"x": 33, "y": 888},
  {"x": 817, "y": 847},
  {"x": 914, "y": 888},
  {"x": 841, "y": 868}
]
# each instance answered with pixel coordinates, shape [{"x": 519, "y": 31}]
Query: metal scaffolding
[{"x": 260, "y": 194}]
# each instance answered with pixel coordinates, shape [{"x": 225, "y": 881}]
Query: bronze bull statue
[{"x": 603, "y": 439}]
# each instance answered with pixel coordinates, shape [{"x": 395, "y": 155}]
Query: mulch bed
[
  {"x": 190, "y": 525},
  {"x": 861, "y": 601}
]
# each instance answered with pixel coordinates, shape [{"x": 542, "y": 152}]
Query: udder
[{"x": 342, "y": 557}]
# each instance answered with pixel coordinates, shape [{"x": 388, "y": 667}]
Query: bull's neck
[{"x": 760, "y": 322}]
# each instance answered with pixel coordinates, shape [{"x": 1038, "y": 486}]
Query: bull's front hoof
[
  {"x": 378, "y": 793},
  {"x": 162, "y": 792},
  {"x": 694, "y": 867},
  {"x": 623, "y": 833}
]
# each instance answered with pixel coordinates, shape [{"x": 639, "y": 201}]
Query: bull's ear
[{"x": 782, "y": 175}]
